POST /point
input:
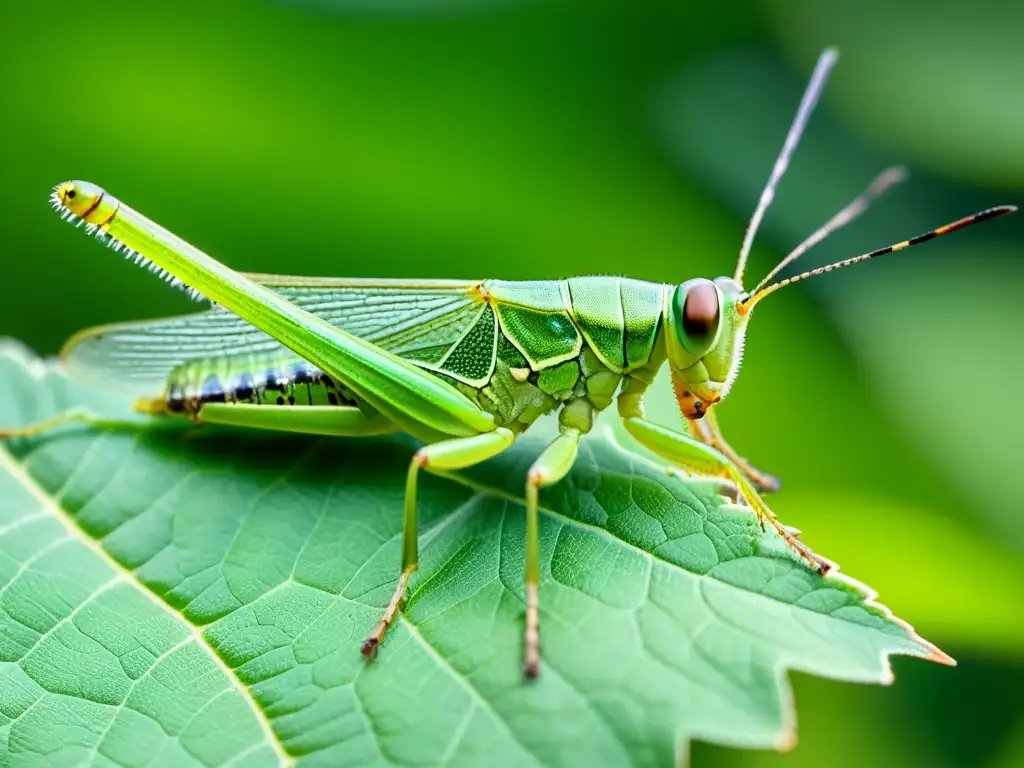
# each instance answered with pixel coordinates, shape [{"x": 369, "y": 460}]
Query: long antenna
[
  {"x": 825, "y": 63},
  {"x": 747, "y": 304},
  {"x": 876, "y": 189}
]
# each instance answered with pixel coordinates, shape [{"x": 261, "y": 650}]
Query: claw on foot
[
  {"x": 817, "y": 562},
  {"x": 824, "y": 565},
  {"x": 531, "y": 637},
  {"x": 531, "y": 668}
]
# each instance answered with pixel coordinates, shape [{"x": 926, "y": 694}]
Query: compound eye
[
  {"x": 700, "y": 311},
  {"x": 697, "y": 316}
]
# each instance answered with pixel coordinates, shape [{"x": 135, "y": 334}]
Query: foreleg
[{"x": 693, "y": 454}]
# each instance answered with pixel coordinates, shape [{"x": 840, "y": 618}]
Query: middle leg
[
  {"x": 550, "y": 467},
  {"x": 456, "y": 453}
]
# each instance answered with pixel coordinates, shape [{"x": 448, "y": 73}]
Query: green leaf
[{"x": 194, "y": 596}]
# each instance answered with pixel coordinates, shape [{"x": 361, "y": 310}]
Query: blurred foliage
[
  {"x": 931, "y": 339},
  {"x": 528, "y": 139},
  {"x": 385, "y": 8},
  {"x": 937, "y": 84}
]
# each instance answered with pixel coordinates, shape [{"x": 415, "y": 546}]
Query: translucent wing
[{"x": 422, "y": 321}]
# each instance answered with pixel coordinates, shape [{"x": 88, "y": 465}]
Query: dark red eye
[{"x": 700, "y": 310}]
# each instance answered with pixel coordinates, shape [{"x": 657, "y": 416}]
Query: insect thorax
[{"x": 517, "y": 396}]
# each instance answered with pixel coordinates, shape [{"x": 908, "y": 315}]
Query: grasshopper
[{"x": 464, "y": 367}]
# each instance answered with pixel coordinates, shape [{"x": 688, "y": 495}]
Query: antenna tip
[
  {"x": 831, "y": 53},
  {"x": 891, "y": 176},
  {"x": 997, "y": 211}
]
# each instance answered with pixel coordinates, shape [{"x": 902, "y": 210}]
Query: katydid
[{"x": 465, "y": 367}]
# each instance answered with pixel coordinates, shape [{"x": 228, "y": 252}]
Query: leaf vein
[
  {"x": 21, "y": 476},
  {"x": 464, "y": 682}
]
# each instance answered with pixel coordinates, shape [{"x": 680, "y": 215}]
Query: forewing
[{"x": 421, "y": 321}]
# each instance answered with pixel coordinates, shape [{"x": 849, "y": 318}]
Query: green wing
[{"x": 445, "y": 326}]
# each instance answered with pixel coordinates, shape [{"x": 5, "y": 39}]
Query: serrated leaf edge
[{"x": 929, "y": 651}]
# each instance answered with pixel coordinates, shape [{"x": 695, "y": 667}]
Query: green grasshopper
[{"x": 465, "y": 367}]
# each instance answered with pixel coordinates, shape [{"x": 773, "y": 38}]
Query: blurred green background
[{"x": 491, "y": 138}]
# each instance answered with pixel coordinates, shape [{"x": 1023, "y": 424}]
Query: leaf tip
[
  {"x": 933, "y": 653},
  {"x": 925, "y": 650}
]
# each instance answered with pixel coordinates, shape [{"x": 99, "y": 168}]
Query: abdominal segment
[{"x": 294, "y": 383}]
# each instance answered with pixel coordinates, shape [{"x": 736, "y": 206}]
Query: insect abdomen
[{"x": 287, "y": 382}]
